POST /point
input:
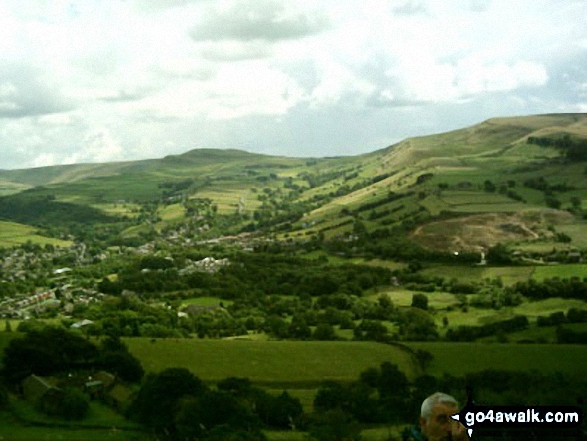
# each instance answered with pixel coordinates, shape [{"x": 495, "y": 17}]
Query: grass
[
  {"x": 403, "y": 297},
  {"x": 12, "y": 234},
  {"x": 539, "y": 334},
  {"x": 562, "y": 271},
  {"x": 98, "y": 415},
  {"x": 271, "y": 363},
  {"x": 13, "y": 430},
  {"x": 461, "y": 358},
  {"x": 509, "y": 274},
  {"x": 576, "y": 231},
  {"x": 172, "y": 212}
]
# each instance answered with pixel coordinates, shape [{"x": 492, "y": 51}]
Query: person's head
[{"x": 435, "y": 421}]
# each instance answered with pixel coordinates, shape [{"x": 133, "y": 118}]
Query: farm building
[{"x": 34, "y": 387}]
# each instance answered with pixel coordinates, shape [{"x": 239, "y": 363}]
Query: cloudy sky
[{"x": 99, "y": 80}]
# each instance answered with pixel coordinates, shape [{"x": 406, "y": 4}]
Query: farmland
[
  {"x": 12, "y": 234},
  {"x": 461, "y": 358},
  {"x": 271, "y": 363},
  {"x": 444, "y": 254}
]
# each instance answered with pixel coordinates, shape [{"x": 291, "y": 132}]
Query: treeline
[
  {"x": 249, "y": 274},
  {"x": 385, "y": 396},
  {"x": 573, "y": 315},
  {"x": 392, "y": 243},
  {"x": 573, "y": 288},
  {"x": 391, "y": 196},
  {"x": 572, "y": 148},
  {"x": 187, "y": 408},
  {"x": 472, "y": 333}
]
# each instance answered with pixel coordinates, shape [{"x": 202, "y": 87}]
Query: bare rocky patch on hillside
[{"x": 481, "y": 231}]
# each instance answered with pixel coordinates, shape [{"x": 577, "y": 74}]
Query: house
[
  {"x": 61, "y": 271},
  {"x": 34, "y": 387},
  {"x": 106, "y": 378},
  {"x": 81, "y": 324}
]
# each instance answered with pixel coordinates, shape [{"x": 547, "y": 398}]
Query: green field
[
  {"x": 508, "y": 274},
  {"x": 296, "y": 364},
  {"x": 562, "y": 271},
  {"x": 461, "y": 358},
  {"x": 12, "y": 233},
  {"x": 403, "y": 297},
  {"x": 14, "y": 430}
]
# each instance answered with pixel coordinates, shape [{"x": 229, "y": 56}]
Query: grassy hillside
[
  {"x": 12, "y": 233},
  {"x": 467, "y": 189},
  {"x": 273, "y": 363}
]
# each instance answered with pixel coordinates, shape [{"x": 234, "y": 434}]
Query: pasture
[
  {"x": 508, "y": 274},
  {"x": 295, "y": 364},
  {"x": 403, "y": 297},
  {"x": 561, "y": 271},
  {"x": 14, "y": 234},
  {"x": 461, "y": 358}
]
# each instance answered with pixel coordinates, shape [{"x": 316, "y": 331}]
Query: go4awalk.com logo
[{"x": 518, "y": 417}]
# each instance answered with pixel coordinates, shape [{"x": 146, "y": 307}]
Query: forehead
[{"x": 444, "y": 409}]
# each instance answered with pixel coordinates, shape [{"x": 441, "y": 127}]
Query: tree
[
  {"x": 125, "y": 365},
  {"x": 160, "y": 396},
  {"x": 46, "y": 352},
  {"x": 489, "y": 186},
  {"x": 68, "y": 404},
  {"x": 298, "y": 328},
  {"x": 424, "y": 358},
  {"x": 324, "y": 331},
  {"x": 279, "y": 412},
  {"x": 499, "y": 254},
  {"x": 420, "y": 301}
]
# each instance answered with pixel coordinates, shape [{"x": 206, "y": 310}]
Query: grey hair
[{"x": 434, "y": 399}]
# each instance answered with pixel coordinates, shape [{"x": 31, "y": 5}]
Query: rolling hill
[{"x": 505, "y": 179}]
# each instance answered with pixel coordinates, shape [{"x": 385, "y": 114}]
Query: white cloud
[
  {"x": 338, "y": 82},
  {"x": 45, "y": 159},
  {"x": 246, "y": 20},
  {"x": 146, "y": 77},
  {"x": 97, "y": 146}
]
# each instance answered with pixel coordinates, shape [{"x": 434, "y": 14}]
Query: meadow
[
  {"x": 12, "y": 234},
  {"x": 461, "y": 358},
  {"x": 296, "y": 364}
]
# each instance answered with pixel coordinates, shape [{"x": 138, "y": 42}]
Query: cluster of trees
[
  {"x": 384, "y": 395},
  {"x": 392, "y": 244},
  {"x": 566, "y": 335},
  {"x": 54, "y": 350},
  {"x": 186, "y": 408},
  {"x": 251, "y": 273},
  {"x": 572, "y": 148},
  {"x": 33, "y": 207},
  {"x": 573, "y": 315},
  {"x": 57, "y": 352},
  {"x": 573, "y": 288},
  {"x": 472, "y": 333},
  {"x": 540, "y": 183}
]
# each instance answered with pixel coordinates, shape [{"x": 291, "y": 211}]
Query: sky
[{"x": 101, "y": 81}]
